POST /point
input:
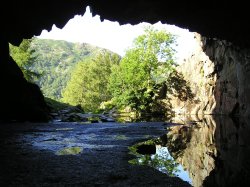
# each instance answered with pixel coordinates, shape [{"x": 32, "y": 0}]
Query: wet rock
[
  {"x": 104, "y": 118},
  {"x": 74, "y": 114},
  {"x": 94, "y": 121},
  {"x": 104, "y": 159}
]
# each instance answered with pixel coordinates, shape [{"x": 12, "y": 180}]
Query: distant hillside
[{"x": 55, "y": 59}]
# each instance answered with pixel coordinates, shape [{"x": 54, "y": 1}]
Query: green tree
[
  {"x": 57, "y": 59},
  {"x": 88, "y": 84},
  {"x": 145, "y": 67},
  {"x": 23, "y": 56}
]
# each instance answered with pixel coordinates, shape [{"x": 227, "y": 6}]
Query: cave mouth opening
[{"x": 55, "y": 54}]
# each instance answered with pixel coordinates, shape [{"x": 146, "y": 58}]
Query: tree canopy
[
  {"x": 57, "y": 59},
  {"x": 81, "y": 74},
  {"x": 88, "y": 84},
  {"x": 146, "y": 65},
  {"x": 24, "y": 56}
]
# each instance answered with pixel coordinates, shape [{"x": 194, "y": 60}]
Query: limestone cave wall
[{"x": 218, "y": 74}]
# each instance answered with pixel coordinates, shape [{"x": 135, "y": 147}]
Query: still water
[{"x": 204, "y": 151}]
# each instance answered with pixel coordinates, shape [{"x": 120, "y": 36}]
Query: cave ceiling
[{"x": 216, "y": 19}]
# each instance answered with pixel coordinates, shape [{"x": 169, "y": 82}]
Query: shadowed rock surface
[{"x": 218, "y": 74}]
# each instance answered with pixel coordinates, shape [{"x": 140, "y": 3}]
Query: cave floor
[{"x": 75, "y": 154}]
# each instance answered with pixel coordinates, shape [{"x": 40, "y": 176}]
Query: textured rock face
[{"x": 219, "y": 77}]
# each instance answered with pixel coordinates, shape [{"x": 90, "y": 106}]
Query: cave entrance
[{"x": 56, "y": 58}]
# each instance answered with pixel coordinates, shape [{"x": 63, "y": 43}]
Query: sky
[{"x": 113, "y": 36}]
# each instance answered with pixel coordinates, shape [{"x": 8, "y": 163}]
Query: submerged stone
[
  {"x": 121, "y": 137},
  {"x": 70, "y": 151}
]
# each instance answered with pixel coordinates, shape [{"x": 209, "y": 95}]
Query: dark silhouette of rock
[{"x": 20, "y": 100}]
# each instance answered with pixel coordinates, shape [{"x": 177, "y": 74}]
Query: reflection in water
[
  {"x": 161, "y": 161},
  {"x": 128, "y": 118},
  {"x": 232, "y": 142},
  {"x": 215, "y": 151},
  {"x": 193, "y": 146},
  {"x": 179, "y": 170}
]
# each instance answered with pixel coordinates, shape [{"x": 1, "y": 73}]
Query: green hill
[{"x": 55, "y": 60}]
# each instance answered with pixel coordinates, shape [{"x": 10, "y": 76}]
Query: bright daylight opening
[
  {"x": 103, "y": 67},
  {"x": 112, "y": 35}
]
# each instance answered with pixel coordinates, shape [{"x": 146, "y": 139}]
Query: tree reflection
[
  {"x": 161, "y": 161},
  {"x": 214, "y": 150}
]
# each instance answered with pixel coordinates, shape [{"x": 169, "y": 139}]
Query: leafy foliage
[
  {"x": 88, "y": 84},
  {"x": 135, "y": 82},
  {"x": 24, "y": 56},
  {"x": 56, "y": 59},
  {"x": 95, "y": 78}
]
